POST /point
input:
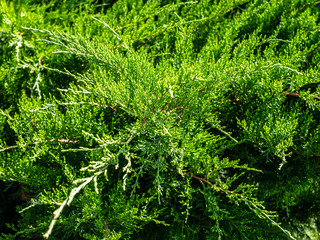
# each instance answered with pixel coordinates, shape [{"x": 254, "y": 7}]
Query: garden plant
[{"x": 137, "y": 119}]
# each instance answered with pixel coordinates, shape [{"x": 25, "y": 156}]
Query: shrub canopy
[{"x": 153, "y": 119}]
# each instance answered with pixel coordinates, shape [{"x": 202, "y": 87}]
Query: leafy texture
[{"x": 148, "y": 120}]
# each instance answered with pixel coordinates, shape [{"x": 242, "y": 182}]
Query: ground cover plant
[{"x": 159, "y": 119}]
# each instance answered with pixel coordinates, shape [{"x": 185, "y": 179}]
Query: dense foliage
[{"x": 159, "y": 120}]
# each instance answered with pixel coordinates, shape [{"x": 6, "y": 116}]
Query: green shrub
[{"x": 148, "y": 120}]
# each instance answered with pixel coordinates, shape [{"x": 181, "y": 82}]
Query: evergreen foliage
[{"x": 152, "y": 119}]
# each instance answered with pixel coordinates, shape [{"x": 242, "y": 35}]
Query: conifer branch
[
  {"x": 243, "y": 198},
  {"x": 35, "y": 143},
  {"x": 73, "y": 103},
  {"x": 97, "y": 168}
]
